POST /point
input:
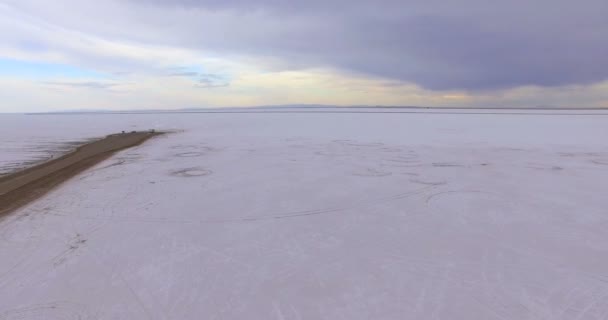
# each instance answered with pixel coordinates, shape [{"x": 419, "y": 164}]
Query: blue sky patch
[{"x": 44, "y": 70}]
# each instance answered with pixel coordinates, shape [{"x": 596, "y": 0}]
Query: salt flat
[
  {"x": 318, "y": 216},
  {"x": 29, "y": 139}
]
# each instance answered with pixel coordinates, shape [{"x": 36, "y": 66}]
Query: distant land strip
[
  {"x": 515, "y": 112},
  {"x": 22, "y": 187}
]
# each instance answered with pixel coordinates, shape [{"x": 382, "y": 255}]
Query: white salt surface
[
  {"x": 319, "y": 216},
  {"x": 28, "y": 139}
]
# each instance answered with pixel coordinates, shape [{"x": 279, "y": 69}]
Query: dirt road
[{"x": 24, "y": 186}]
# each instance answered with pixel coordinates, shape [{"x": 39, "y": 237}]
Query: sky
[{"x": 171, "y": 54}]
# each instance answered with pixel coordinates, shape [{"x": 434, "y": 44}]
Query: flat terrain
[
  {"x": 20, "y": 187},
  {"x": 319, "y": 216}
]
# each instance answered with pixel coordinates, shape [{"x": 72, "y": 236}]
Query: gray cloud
[
  {"x": 466, "y": 44},
  {"x": 461, "y": 44},
  {"x": 203, "y": 80},
  {"x": 211, "y": 81}
]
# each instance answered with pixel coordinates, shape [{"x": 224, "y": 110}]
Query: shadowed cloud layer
[{"x": 466, "y": 44}]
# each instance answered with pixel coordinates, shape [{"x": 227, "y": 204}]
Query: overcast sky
[{"x": 138, "y": 54}]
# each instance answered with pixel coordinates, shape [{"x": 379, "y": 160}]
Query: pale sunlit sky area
[{"x": 162, "y": 54}]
